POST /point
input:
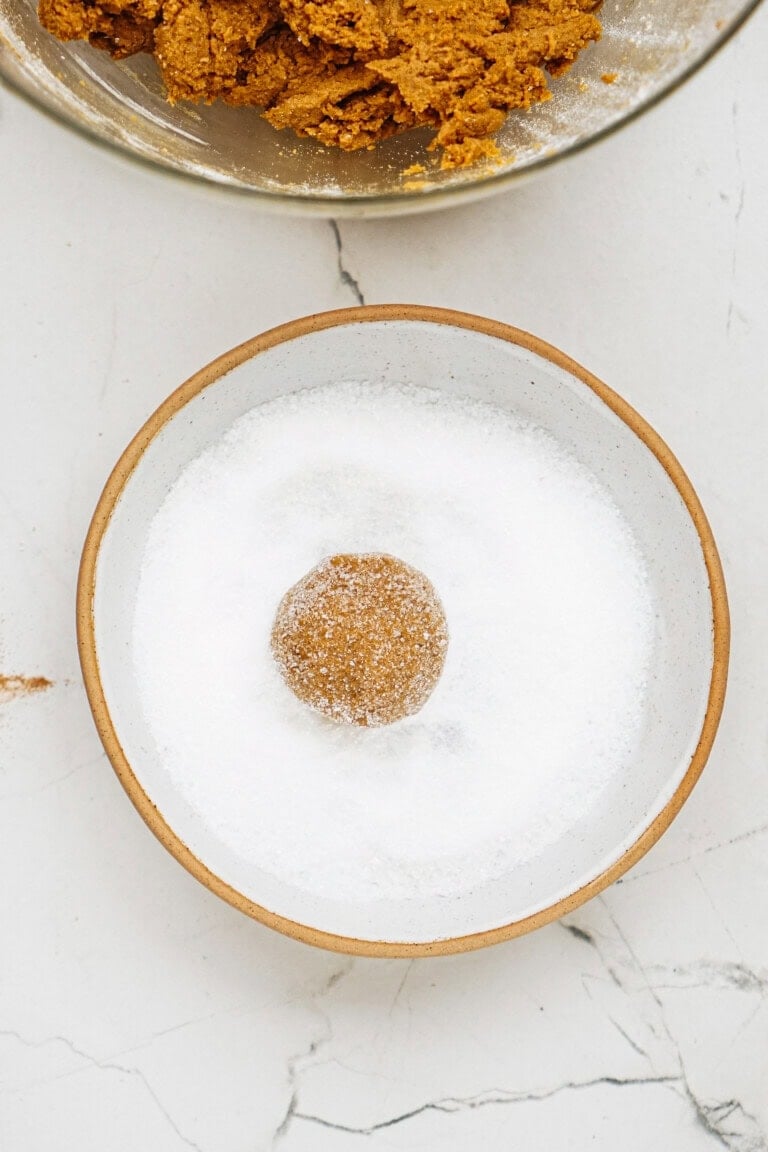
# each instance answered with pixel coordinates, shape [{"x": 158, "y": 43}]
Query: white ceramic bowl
[{"x": 481, "y": 359}]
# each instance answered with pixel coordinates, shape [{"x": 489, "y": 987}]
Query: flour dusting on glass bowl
[
  {"x": 586, "y": 618},
  {"x": 647, "y": 49}
]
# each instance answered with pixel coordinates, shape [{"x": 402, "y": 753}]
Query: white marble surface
[{"x": 136, "y": 1010}]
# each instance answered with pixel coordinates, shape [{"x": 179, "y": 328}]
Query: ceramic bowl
[
  {"x": 648, "y": 46},
  {"x": 490, "y": 361}
]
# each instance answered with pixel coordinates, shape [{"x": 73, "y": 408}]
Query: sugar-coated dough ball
[{"x": 361, "y": 638}]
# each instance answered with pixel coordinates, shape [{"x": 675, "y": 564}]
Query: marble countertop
[{"x": 137, "y": 1010}]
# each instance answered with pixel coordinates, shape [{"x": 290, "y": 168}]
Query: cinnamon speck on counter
[{"x": 11, "y": 687}]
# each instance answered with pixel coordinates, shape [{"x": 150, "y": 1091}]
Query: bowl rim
[
  {"x": 86, "y": 636},
  {"x": 384, "y": 204}
]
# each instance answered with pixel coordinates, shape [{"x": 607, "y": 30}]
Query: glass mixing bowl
[{"x": 651, "y": 45}]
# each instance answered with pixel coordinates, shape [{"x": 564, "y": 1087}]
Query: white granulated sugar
[{"x": 549, "y": 616}]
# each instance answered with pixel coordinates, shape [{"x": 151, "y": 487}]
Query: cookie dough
[
  {"x": 361, "y": 638},
  {"x": 350, "y": 72}
]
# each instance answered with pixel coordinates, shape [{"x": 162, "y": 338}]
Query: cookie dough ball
[{"x": 361, "y": 638}]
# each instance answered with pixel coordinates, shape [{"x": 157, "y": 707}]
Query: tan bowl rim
[{"x": 151, "y": 815}]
